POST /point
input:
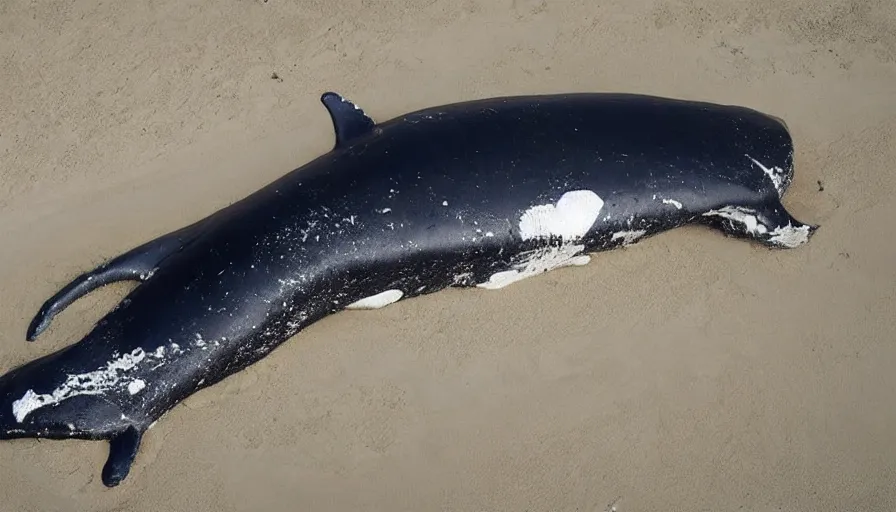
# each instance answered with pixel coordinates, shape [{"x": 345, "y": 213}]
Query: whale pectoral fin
[
  {"x": 349, "y": 121},
  {"x": 138, "y": 264},
  {"x": 123, "y": 450},
  {"x": 771, "y": 225}
]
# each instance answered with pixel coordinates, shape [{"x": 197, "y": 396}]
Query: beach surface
[{"x": 688, "y": 372}]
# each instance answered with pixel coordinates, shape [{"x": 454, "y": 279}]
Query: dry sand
[{"x": 689, "y": 372}]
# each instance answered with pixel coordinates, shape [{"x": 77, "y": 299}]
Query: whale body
[{"x": 479, "y": 194}]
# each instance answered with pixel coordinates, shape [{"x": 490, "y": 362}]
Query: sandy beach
[{"x": 689, "y": 372}]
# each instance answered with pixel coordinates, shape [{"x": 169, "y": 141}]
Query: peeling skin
[
  {"x": 744, "y": 216},
  {"x": 136, "y": 386},
  {"x": 377, "y": 301},
  {"x": 774, "y": 173},
  {"x": 673, "y": 202},
  {"x": 570, "y": 219},
  {"x": 629, "y": 237},
  {"x": 539, "y": 262},
  {"x": 789, "y": 236},
  {"x": 112, "y": 376},
  {"x": 92, "y": 383}
]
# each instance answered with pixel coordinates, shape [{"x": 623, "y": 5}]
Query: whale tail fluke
[
  {"x": 789, "y": 233},
  {"x": 772, "y": 226}
]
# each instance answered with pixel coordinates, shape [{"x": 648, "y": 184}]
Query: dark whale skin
[{"x": 481, "y": 193}]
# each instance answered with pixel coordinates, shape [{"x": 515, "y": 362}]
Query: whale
[{"x": 478, "y": 194}]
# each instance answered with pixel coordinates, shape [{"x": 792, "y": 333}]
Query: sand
[{"x": 689, "y": 372}]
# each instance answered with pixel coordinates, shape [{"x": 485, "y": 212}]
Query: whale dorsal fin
[{"x": 349, "y": 121}]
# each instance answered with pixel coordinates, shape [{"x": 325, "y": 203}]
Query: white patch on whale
[
  {"x": 570, "y": 219},
  {"x": 98, "y": 381},
  {"x": 136, "y": 386},
  {"x": 790, "y": 236},
  {"x": 377, "y": 301},
  {"x": 673, "y": 202},
  {"x": 92, "y": 383},
  {"x": 744, "y": 216},
  {"x": 628, "y": 237},
  {"x": 463, "y": 279},
  {"x": 539, "y": 262},
  {"x": 774, "y": 173}
]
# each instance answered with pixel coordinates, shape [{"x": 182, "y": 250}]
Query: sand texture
[{"x": 689, "y": 372}]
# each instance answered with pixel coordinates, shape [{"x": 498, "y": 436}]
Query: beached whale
[{"x": 476, "y": 194}]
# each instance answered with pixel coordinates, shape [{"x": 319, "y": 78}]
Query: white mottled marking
[
  {"x": 462, "y": 278},
  {"x": 377, "y": 301},
  {"x": 673, "y": 202},
  {"x": 570, "y": 219},
  {"x": 136, "y": 386},
  {"x": 91, "y": 383},
  {"x": 775, "y": 174},
  {"x": 542, "y": 261},
  {"x": 629, "y": 237},
  {"x": 790, "y": 236},
  {"x": 745, "y": 216}
]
